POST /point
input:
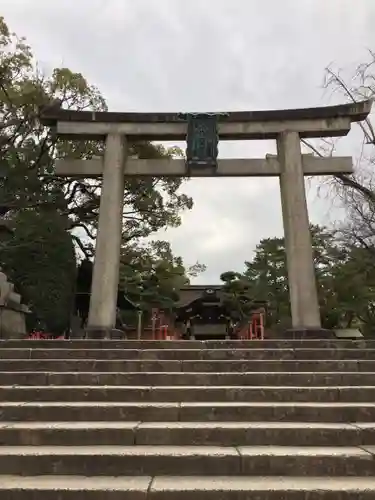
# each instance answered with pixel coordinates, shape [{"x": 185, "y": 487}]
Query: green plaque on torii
[{"x": 202, "y": 141}]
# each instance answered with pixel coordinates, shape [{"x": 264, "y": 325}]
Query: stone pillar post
[
  {"x": 103, "y": 301},
  {"x": 298, "y": 243}
]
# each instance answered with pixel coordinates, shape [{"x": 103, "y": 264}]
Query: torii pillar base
[
  {"x": 309, "y": 334},
  {"x": 104, "y": 334}
]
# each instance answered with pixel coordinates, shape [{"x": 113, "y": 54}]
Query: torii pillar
[
  {"x": 105, "y": 278},
  {"x": 298, "y": 243}
]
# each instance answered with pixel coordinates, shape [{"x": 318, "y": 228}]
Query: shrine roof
[
  {"x": 190, "y": 294},
  {"x": 357, "y": 111}
]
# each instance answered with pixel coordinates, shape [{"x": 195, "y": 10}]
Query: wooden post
[{"x": 139, "y": 325}]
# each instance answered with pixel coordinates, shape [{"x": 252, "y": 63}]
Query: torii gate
[{"x": 287, "y": 127}]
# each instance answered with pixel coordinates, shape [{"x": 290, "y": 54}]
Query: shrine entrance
[
  {"x": 202, "y": 132},
  {"x": 204, "y": 314}
]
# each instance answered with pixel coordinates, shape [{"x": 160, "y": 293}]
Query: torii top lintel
[{"x": 327, "y": 121}]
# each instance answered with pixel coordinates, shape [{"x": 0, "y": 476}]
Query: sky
[{"x": 210, "y": 55}]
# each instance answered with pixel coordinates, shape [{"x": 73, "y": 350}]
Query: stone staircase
[{"x": 214, "y": 420}]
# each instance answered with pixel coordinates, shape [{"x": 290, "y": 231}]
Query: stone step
[
  {"x": 264, "y": 379},
  {"x": 55, "y": 487},
  {"x": 234, "y": 366},
  {"x": 188, "y": 354},
  {"x": 180, "y": 393},
  {"x": 186, "y": 433},
  {"x": 188, "y": 412},
  {"x": 188, "y": 344},
  {"x": 193, "y": 460},
  {"x": 259, "y": 412}
]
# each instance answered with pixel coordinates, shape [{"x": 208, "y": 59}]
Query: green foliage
[
  {"x": 237, "y": 294},
  {"x": 44, "y": 271},
  {"x": 345, "y": 279},
  {"x": 28, "y": 153},
  {"x": 354, "y": 288},
  {"x": 267, "y": 277},
  {"x": 151, "y": 276}
]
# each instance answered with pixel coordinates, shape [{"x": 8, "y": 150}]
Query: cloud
[{"x": 207, "y": 55}]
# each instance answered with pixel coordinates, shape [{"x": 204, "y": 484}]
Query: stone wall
[{"x": 12, "y": 311}]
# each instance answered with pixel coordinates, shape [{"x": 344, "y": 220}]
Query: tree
[
  {"x": 28, "y": 153},
  {"x": 152, "y": 277},
  {"x": 149, "y": 277},
  {"x": 267, "y": 275},
  {"x": 345, "y": 281},
  {"x": 354, "y": 288},
  {"x": 237, "y": 295},
  {"x": 362, "y": 87},
  {"x": 44, "y": 271},
  {"x": 354, "y": 277},
  {"x": 357, "y": 191}
]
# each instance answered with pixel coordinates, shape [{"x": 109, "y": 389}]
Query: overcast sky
[{"x": 208, "y": 55}]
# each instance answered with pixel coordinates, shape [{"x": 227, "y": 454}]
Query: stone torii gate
[{"x": 202, "y": 131}]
